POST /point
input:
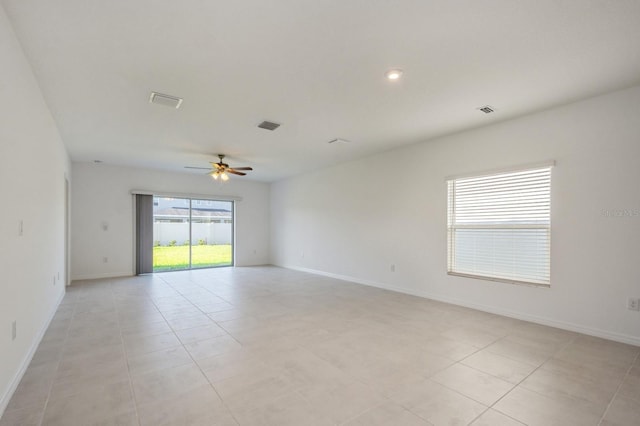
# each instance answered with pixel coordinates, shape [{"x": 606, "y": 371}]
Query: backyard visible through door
[{"x": 191, "y": 233}]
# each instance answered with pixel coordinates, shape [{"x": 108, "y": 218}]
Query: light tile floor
[{"x": 270, "y": 346}]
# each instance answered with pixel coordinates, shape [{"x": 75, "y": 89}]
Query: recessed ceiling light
[{"x": 394, "y": 74}]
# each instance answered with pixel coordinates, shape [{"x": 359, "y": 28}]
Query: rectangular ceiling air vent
[
  {"x": 338, "y": 140},
  {"x": 166, "y": 100},
  {"x": 487, "y": 109},
  {"x": 269, "y": 125}
]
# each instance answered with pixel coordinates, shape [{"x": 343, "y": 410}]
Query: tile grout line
[
  {"x": 124, "y": 346},
  {"x": 606, "y": 410},
  {"x": 520, "y": 382},
  {"x": 133, "y": 393},
  {"x": 426, "y": 377},
  {"x": 124, "y": 351},
  {"x": 198, "y": 308},
  {"x": 386, "y": 401},
  {"x": 196, "y": 362},
  {"x": 192, "y": 293},
  {"x": 538, "y": 368},
  {"x": 126, "y": 357},
  {"x": 66, "y": 337},
  {"x": 429, "y": 377}
]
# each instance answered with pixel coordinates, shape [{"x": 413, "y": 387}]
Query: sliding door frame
[
  {"x": 233, "y": 233},
  {"x": 191, "y": 196}
]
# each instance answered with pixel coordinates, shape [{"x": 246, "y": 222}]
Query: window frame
[{"x": 450, "y": 180}]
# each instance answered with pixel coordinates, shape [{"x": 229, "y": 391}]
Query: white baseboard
[
  {"x": 605, "y": 334},
  {"x": 102, "y": 276},
  {"x": 4, "y": 401}
]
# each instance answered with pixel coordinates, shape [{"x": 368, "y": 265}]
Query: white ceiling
[{"x": 317, "y": 66}]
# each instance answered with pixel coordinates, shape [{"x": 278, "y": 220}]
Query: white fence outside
[{"x": 211, "y": 233}]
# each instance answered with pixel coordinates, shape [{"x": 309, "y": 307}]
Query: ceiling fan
[{"x": 221, "y": 170}]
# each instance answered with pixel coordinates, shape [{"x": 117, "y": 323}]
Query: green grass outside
[{"x": 177, "y": 257}]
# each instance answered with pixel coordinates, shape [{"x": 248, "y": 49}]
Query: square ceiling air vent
[
  {"x": 166, "y": 100},
  {"x": 269, "y": 125},
  {"x": 487, "y": 109}
]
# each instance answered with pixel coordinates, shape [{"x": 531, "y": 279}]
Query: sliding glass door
[
  {"x": 191, "y": 233},
  {"x": 212, "y": 233}
]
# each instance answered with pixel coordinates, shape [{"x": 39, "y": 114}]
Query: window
[{"x": 499, "y": 226}]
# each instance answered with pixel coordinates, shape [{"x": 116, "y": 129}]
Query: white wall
[
  {"x": 33, "y": 165},
  {"x": 102, "y": 193},
  {"x": 354, "y": 220}
]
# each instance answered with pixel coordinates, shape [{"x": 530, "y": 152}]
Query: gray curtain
[{"x": 144, "y": 234}]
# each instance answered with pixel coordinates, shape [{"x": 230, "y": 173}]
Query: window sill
[{"x": 499, "y": 280}]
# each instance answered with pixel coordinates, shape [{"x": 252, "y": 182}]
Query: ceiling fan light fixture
[{"x": 221, "y": 170}]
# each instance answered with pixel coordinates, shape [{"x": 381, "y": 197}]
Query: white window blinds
[{"x": 499, "y": 226}]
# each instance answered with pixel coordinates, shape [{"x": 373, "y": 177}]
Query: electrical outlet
[
  {"x": 633, "y": 304},
  {"x": 393, "y": 267},
  {"x": 105, "y": 259},
  {"x": 14, "y": 330}
]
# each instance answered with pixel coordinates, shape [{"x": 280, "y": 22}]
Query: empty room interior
[{"x": 303, "y": 212}]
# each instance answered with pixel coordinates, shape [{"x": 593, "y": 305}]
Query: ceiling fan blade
[
  {"x": 232, "y": 171},
  {"x": 242, "y": 168},
  {"x": 200, "y": 168},
  {"x": 216, "y": 165}
]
